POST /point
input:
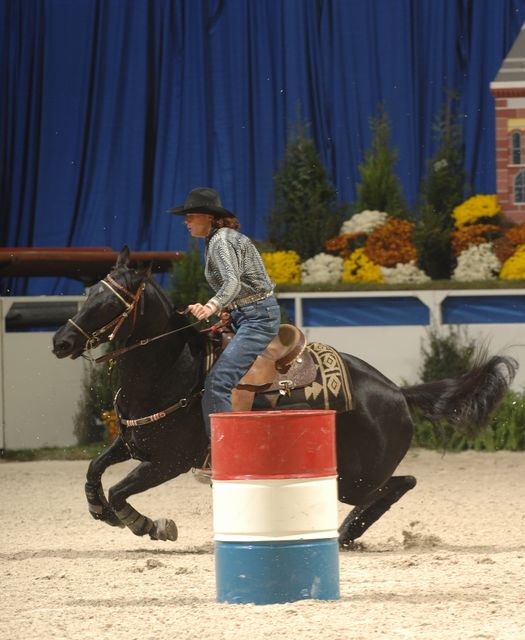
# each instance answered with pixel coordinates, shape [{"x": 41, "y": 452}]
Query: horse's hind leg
[
  {"x": 363, "y": 516},
  {"x": 145, "y": 476},
  {"x": 98, "y": 505}
]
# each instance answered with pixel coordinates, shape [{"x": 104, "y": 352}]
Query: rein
[{"x": 113, "y": 355}]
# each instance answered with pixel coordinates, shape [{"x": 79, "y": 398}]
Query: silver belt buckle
[{"x": 248, "y": 300}]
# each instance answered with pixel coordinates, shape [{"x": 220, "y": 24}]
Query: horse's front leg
[
  {"x": 98, "y": 504},
  {"x": 145, "y": 476}
]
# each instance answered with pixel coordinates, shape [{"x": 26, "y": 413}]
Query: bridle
[
  {"x": 130, "y": 307},
  {"x": 94, "y": 340}
]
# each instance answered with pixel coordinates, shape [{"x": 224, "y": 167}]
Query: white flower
[
  {"x": 364, "y": 222},
  {"x": 404, "y": 273},
  {"x": 322, "y": 268},
  {"x": 440, "y": 164},
  {"x": 478, "y": 262}
]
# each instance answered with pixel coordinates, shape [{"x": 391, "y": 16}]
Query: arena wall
[{"x": 39, "y": 394}]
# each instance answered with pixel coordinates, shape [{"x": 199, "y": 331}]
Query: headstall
[{"x": 93, "y": 340}]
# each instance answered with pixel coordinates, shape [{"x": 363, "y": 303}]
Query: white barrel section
[{"x": 299, "y": 509}]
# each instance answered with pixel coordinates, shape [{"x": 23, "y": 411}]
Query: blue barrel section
[
  {"x": 275, "y": 506},
  {"x": 277, "y": 572}
]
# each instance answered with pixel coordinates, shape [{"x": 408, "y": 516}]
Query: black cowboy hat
[{"x": 202, "y": 200}]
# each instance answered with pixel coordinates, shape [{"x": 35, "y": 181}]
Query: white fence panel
[
  {"x": 396, "y": 351},
  {"x": 39, "y": 393}
]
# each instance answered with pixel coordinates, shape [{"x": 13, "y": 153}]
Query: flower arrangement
[
  {"x": 364, "y": 222},
  {"x": 404, "y": 273},
  {"x": 514, "y": 267},
  {"x": 344, "y": 244},
  {"x": 359, "y": 268},
  {"x": 476, "y": 208},
  {"x": 322, "y": 268},
  {"x": 391, "y": 243},
  {"x": 473, "y": 234},
  {"x": 478, "y": 262},
  {"x": 503, "y": 248},
  {"x": 516, "y": 234},
  {"x": 283, "y": 266}
]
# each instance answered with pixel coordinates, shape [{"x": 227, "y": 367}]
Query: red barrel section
[{"x": 291, "y": 444}]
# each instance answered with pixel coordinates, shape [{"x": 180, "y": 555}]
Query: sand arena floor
[{"x": 448, "y": 561}]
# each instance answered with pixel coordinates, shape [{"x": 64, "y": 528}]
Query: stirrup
[{"x": 204, "y": 473}]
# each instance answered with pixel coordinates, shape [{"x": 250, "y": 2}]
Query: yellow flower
[
  {"x": 359, "y": 268},
  {"x": 474, "y": 208},
  {"x": 514, "y": 267},
  {"x": 283, "y": 266}
]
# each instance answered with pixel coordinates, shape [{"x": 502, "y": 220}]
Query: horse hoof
[{"x": 164, "y": 529}]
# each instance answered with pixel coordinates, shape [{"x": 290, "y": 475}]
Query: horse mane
[{"x": 195, "y": 339}]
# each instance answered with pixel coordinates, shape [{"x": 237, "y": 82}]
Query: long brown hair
[{"x": 228, "y": 221}]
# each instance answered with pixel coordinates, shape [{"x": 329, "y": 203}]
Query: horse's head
[{"x": 109, "y": 311}]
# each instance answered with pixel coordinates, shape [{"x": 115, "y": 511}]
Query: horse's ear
[
  {"x": 148, "y": 268},
  {"x": 123, "y": 258}
]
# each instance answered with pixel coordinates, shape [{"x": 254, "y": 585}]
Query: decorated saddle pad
[{"x": 331, "y": 388}]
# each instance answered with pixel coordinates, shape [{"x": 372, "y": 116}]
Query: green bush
[
  {"x": 506, "y": 430},
  {"x": 96, "y": 396},
  {"x": 187, "y": 282},
  {"x": 304, "y": 213},
  {"x": 449, "y": 354}
]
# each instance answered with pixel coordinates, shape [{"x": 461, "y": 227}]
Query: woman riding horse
[
  {"x": 161, "y": 361},
  {"x": 236, "y": 273}
]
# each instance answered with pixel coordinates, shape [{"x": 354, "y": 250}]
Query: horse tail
[{"x": 465, "y": 403}]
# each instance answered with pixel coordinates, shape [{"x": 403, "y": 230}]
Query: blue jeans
[{"x": 255, "y": 325}]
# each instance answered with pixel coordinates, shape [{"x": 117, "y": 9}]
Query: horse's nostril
[{"x": 60, "y": 346}]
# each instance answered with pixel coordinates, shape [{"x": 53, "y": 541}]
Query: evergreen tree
[
  {"x": 187, "y": 282},
  {"x": 305, "y": 213},
  {"x": 442, "y": 190},
  {"x": 380, "y": 189}
]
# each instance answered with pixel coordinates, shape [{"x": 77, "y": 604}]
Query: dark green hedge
[{"x": 505, "y": 431}]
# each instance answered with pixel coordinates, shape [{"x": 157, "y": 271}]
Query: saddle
[{"x": 285, "y": 365}]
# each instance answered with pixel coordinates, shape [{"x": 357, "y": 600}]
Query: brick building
[{"x": 508, "y": 90}]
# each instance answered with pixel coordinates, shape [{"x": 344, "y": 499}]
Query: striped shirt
[{"x": 234, "y": 268}]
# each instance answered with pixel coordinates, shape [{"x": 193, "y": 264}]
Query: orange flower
[
  {"x": 473, "y": 234},
  {"x": 516, "y": 234},
  {"x": 503, "y": 248},
  {"x": 344, "y": 243},
  {"x": 336, "y": 244},
  {"x": 391, "y": 243}
]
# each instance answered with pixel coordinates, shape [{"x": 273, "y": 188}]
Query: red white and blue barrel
[{"x": 275, "y": 506}]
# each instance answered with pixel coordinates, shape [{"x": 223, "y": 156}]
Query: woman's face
[{"x": 198, "y": 224}]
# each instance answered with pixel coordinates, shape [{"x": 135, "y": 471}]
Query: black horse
[{"x": 162, "y": 425}]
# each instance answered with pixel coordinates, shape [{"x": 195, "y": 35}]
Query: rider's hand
[{"x": 201, "y": 311}]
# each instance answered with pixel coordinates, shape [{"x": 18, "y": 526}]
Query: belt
[{"x": 241, "y": 302}]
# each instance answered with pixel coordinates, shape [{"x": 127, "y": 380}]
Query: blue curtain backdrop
[{"x": 111, "y": 110}]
